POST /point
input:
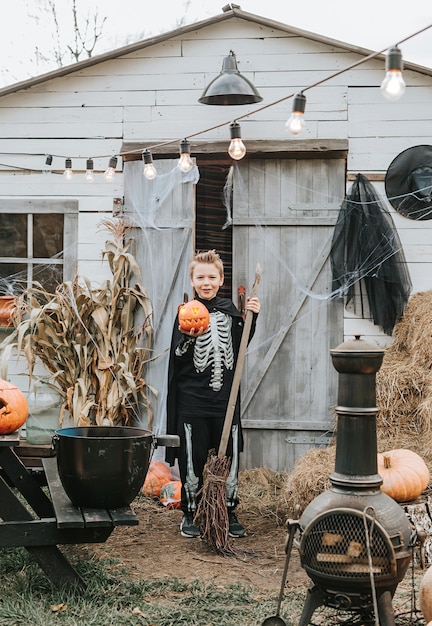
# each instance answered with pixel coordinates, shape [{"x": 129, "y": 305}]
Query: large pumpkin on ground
[
  {"x": 425, "y": 595},
  {"x": 170, "y": 494},
  {"x": 158, "y": 475},
  {"x": 13, "y": 408},
  {"x": 405, "y": 474},
  {"x": 193, "y": 315}
]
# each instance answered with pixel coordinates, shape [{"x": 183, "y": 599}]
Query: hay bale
[
  {"x": 404, "y": 382},
  {"x": 404, "y": 399},
  {"x": 275, "y": 495},
  {"x": 413, "y": 334},
  {"x": 261, "y": 492},
  {"x": 308, "y": 478}
]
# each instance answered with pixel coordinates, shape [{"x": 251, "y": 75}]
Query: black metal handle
[
  {"x": 54, "y": 441},
  {"x": 169, "y": 441}
]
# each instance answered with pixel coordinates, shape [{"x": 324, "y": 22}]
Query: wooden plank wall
[{"x": 151, "y": 96}]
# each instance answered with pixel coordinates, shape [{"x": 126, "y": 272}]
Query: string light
[
  {"x": 89, "y": 175},
  {"x": 68, "y": 172},
  {"x": 185, "y": 162},
  {"x": 110, "y": 172},
  {"x": 149, "y": 171},
  {"x": 393, "y": 85},
  {"x": 391, "y": 58},
  {"x": 236, "y": 149},
  {"x": 296, "y": 123}
]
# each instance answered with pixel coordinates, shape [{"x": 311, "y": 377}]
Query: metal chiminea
[{"x": 355, "y": 541}]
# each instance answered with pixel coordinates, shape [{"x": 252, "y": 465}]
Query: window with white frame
[{"x": 38, "y": 242}]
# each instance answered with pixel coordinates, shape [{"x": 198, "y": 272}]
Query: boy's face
[{"x": 206, "y": 280}]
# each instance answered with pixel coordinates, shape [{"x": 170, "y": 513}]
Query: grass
[{"x": 114, "y": 598}]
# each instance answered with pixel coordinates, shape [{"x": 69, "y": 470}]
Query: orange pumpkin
[
  {"x": 193, "y": 315},
  {"x": 170, "y": 494},
  {"x": 405, "y": 474},
  {"x": 13, "y": 408},
  {"x": 158, "y": 475},
  {"x": 425, "y": 595}
]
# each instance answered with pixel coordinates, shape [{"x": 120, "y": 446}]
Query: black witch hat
[{"x": 408, "y": 183}]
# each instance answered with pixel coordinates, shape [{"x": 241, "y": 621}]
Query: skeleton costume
[{"x": 200, "y": 377}]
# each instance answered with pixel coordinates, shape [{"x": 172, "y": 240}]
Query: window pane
[
  {"x": 49, "y": 276},
  {"x": 13, "y": 277},
  {"x": 48, "y": 235},
  {"x": 13, "y": 235}
]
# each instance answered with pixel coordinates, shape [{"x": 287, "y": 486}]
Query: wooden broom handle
[{"x": 238, "y": 371}]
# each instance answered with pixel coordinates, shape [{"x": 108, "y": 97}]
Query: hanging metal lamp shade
[{"x": 230, "y": 87}]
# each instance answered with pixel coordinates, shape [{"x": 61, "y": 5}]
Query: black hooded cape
[{"x": 225, "y": 305}]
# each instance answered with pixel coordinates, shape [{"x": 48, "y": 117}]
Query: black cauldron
[{"x": 105, "y": 466}]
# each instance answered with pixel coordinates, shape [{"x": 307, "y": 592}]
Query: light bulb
[
  {"x": 68, "y": 172},
  {"x": 110, "y": 172},
  {"x": 296, "y": 123},
  {"x": 48, "y": 163},
  {"x": 393, "y": 85},
  {"x": 89, "y": 175},
  {"x": 149, "y": 171},
  {"x": 185, "y": 162},
  {"x": 236, "y": 149}
]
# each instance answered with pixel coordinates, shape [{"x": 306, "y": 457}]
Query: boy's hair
[{"x": 211, "y": 256}]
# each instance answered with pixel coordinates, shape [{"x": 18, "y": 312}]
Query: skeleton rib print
[{"x": 215, "y": 348}]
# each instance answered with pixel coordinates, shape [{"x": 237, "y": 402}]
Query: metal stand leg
[
  {"x": 385, "y": 609},
  {"x": 313, "y": 600}
]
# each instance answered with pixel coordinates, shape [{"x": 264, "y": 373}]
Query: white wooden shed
[{"x": 280, "y": 206}]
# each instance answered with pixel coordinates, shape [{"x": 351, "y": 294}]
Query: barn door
[
  {"x": 284, "y": 213},
  {"x": 164, "y": 213}
]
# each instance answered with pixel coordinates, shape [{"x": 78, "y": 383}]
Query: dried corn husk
[{"x": 95, "y": 342}]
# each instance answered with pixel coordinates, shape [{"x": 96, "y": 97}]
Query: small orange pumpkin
[
  {"x": 13, "y": 408},
  {"x": 170, "y": 494},
  {"x": 405, "y": 474},
  {"x": 7, "y": 309},
  {"x": 193, "y": 315},
  {"x": 158, "y": 475}
]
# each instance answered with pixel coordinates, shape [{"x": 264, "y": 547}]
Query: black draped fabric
[{"x": 368, "y": 262}]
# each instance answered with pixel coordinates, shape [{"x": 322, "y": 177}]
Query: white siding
[{"x": 151, "y": 96}]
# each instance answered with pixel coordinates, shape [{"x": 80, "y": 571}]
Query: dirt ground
[{"x": 155, "y": 550}]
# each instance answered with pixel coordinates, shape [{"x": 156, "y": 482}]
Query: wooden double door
[{"x": 278, "y": 214}]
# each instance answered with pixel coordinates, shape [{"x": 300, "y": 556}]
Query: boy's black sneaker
[
  {"x": 188, "y": 528},
  {"x": 235, "y": 528}
]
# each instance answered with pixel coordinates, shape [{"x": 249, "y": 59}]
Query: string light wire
[
  {"x": 369, "y": 57},
  {"x": 317, "y": 83}
]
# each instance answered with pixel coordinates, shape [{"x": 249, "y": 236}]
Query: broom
[{"x": 211, "y": 515}]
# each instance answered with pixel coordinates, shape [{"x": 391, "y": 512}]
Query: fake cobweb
[{"x": 368, "y": 263}]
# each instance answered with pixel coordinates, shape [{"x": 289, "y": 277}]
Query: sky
[{"x": 372, "y": 24}]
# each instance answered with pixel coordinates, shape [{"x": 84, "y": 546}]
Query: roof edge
[{"x": 151, "y": 41}]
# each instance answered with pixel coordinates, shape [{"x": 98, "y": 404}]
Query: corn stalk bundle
[{"x": 95, "y": 342}]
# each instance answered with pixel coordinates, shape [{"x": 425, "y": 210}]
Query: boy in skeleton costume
[{"x": 200, "y": 376}]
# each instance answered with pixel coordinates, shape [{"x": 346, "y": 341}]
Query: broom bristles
[{"x": 212, "y": 515}]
